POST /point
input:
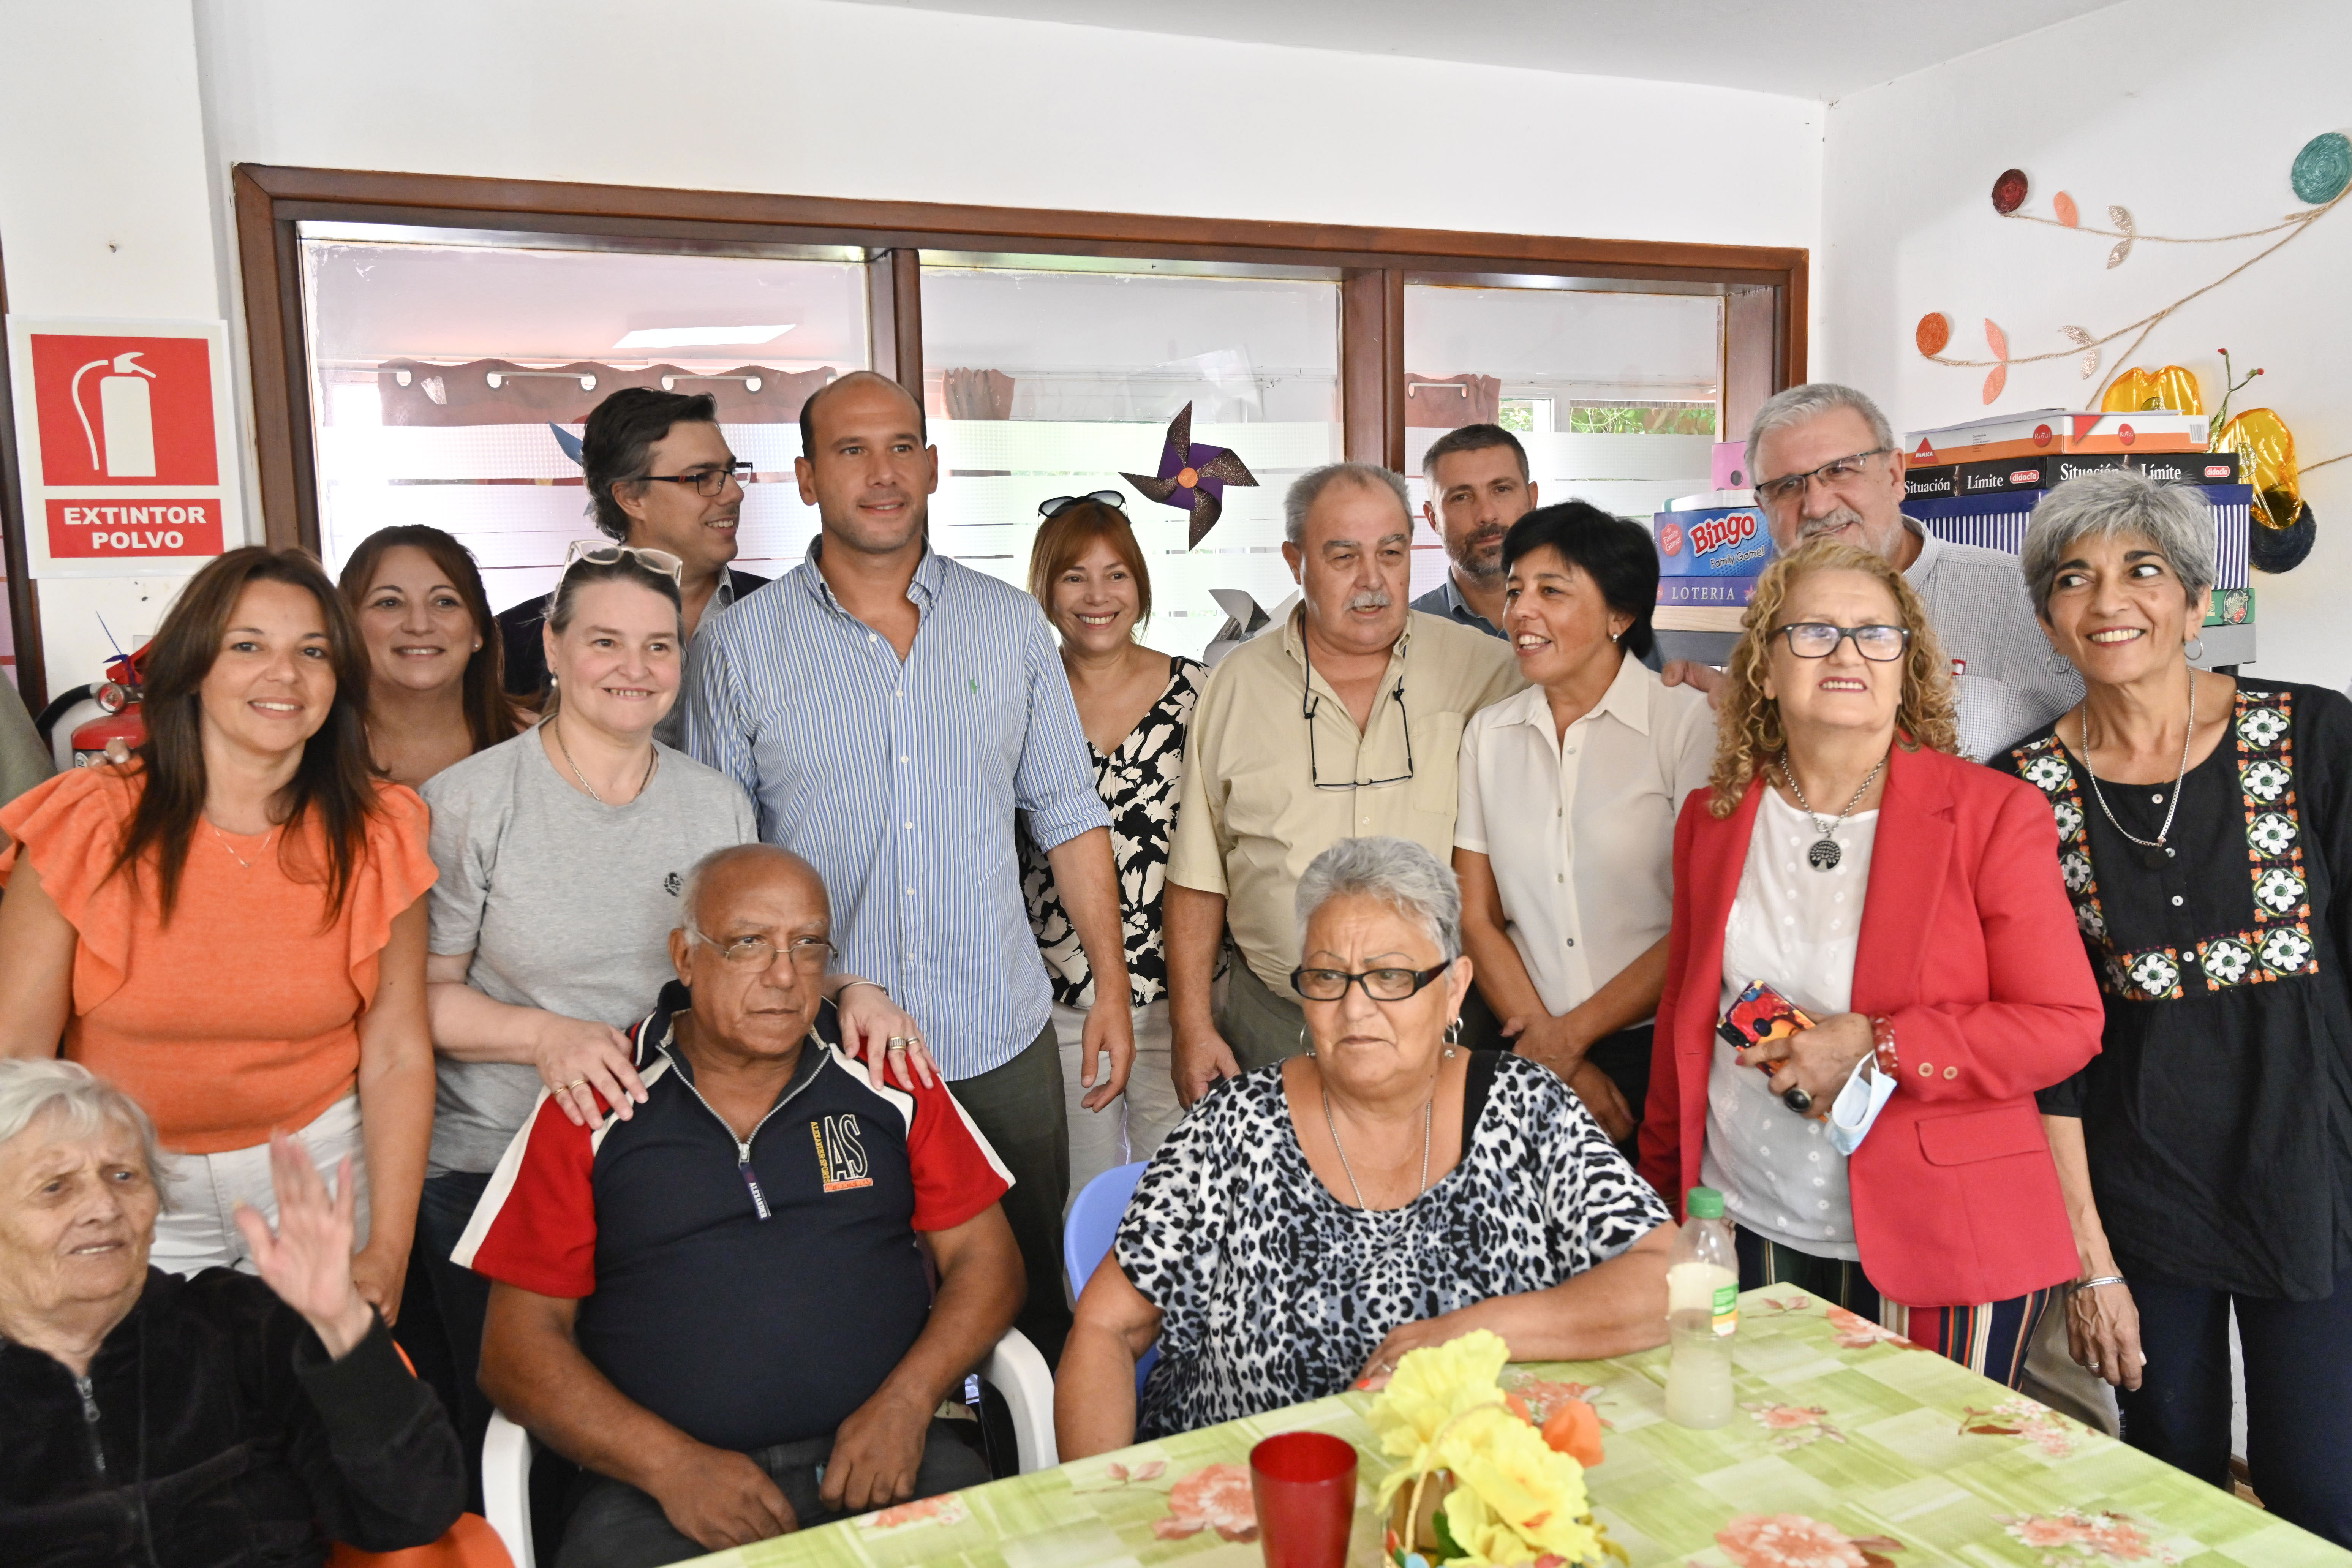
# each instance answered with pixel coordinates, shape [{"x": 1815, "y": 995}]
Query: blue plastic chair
[{"x": 1087, "y": 1236}]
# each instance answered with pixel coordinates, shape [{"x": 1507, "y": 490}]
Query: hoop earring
[
  {"x": 2057, "y": 660},
  {"x": 1453, "y": 1031},
  {"x": 2194, "y": 647},
  {"x": 1304, "y": 1043}
]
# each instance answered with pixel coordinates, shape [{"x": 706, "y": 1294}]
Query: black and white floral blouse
[
  {"x": 1139, "y": 783},
  {"x": 1272, "y": 1291}
]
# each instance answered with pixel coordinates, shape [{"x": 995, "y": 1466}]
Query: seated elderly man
[
  {"x": 718, "y": 1306},
  {"x": 218, "y": 1420},
  {"x": 1312, "y": 1221}
]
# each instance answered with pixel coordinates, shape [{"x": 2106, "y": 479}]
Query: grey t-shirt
[{"x": 566, "y": 905}]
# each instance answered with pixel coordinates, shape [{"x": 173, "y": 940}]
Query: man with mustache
[
  {"x": 1833, "y": 469},
  {"x": 660, "y": 476},
  {"x": 1345, "y": 723},
  {"x": 1478, "y": 487}
]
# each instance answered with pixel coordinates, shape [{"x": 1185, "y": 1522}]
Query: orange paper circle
[
  {"x": 1188, "y": 477},
  {"x": 1935, "y": 331}
]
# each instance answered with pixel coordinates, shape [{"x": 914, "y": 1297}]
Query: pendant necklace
[
  {"x": 1825, "y": 854},
  {"x": 1428, "y": 1110},
  {"x": 652, "y": 763},
  {"x": 2153, "y": 852}
]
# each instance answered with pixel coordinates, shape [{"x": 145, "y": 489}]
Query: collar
[
  {"x": 1458, "y": 608},
  {"x": 1294, "y": 635},
  {"x": 1627, "y": 698},
  {"x": 923, "y": 591},
  {"x": 655, "y": 1037},
  {"x": 1931, "y": 551}
]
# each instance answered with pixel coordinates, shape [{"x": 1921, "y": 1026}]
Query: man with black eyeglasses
[
  {"x": 1345, "y": 723},
  {"x": 1827, "y": 466},
  {"x": 660, "y": 476}
]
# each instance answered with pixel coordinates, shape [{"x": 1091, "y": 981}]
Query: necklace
[
  {"x": 232, "y": 848},
  {"x": 1428, "y": 1110},
  {"x": 652, "y": 763},
  {"x": 2154, "y": 852},
  {"x": 1825, "y": 854}
]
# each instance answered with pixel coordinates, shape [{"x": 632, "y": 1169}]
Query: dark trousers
[
  {"x": 461, "y": 1299},
  {"x": 1018, "y": 1108},
  {"x": 2298, "y": 1358},
  {"x": 613, "y": 1525}
]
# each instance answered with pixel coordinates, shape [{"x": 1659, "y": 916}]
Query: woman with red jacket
[{"x": 1904, "y": 899}]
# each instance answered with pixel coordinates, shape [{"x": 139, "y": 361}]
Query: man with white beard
[
  {"x": 1347, "y": 723},
  {"x": 1831, "y": 467}
]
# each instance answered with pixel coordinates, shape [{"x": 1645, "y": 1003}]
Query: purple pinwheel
[{"x": 1192, "y": 478}]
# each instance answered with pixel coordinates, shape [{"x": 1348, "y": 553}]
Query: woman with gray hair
[
  {"x": 2205, "y": 836},
  {"x": 1313, "y": 1220},
  {"x": 218, "y": 1420}
]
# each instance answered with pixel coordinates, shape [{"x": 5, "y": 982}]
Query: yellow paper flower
[{"x": 1435, "y": 1383}]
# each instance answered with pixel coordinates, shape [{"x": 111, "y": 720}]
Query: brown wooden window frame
[{"x": 1763, "y": 286}]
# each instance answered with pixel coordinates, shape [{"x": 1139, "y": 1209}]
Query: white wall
[
  {"x": 819, "y": 97},
  {"x": 2191, "y": 126}
]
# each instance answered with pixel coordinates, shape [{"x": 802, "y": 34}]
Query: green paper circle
[{"x": 2323, "y": 168}]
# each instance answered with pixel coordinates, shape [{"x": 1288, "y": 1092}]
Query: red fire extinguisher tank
[{"x": 114, "y": 735}]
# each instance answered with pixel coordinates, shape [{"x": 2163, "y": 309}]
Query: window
[
  {"x": 446, "y": 378},
  {"x": 1043, "y": 381}
]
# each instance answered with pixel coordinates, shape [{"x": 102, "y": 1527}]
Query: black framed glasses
[
  {"x": 1379, "y": 984},
  {"x": 810, "y": 955},
  {"x": 605, "y": 552},
  {"x": 1056, "y": 507},
  {"x": 1310, "y": 704},
  {"x": 1817, "y": 639},
  {"x": 706, "y": 481},
  {"x": 1836, "y": 471}
]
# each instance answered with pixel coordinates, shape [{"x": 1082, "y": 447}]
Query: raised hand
[{"x": 307, "y": 1260}]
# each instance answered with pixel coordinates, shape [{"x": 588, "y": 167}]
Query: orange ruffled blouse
[{"x": 242, "y": 1014}]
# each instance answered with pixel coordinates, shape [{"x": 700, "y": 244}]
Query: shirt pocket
[{"x": 1436, "y": 763}]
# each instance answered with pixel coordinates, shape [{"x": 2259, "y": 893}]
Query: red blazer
[{"x": 1969, "y": 945}]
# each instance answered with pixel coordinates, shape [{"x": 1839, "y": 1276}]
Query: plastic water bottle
[{"x": 1703, "y": 1311}]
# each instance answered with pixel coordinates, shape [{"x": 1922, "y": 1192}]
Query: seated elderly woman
[
  {"x": 218, "y": 1420},
  {"x": 1312, "y": 1221}
]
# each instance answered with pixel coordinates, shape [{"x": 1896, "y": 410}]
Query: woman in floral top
[{"x": 1135, "y": 705}]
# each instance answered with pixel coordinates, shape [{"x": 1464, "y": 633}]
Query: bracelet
[
  {"x": 1882, "y": 1041},
  {"x": 875, "y": 983},
  {"x": 2102, "y": 1280}
]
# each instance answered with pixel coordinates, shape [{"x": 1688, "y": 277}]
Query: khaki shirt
[{"x": 1250, "y": 818}]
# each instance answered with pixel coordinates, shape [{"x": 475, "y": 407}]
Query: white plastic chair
[{"x": 1013, "y": 1368}]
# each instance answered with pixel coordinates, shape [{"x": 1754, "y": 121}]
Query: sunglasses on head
[
  {"x": 605, "y": 552},
  {"x": 1115, "y": 500}
]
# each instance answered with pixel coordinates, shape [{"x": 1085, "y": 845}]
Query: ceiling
[{"x": 1803, "y": 48}]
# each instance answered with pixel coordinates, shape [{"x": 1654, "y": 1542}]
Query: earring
[
  {"x": 1304, "y": 1043},
  {"x": 477, "y": 645},
  {"x": 1614, "y": 636},
  {"x": 2057, "y": 660},
  {"x": 2194, "y": 647},
  {"x": 1453, "y": 1031}
]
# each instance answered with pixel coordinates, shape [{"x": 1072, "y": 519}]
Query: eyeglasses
[
  {"x": 1815, "y": 639},
  {"x": 605, "y": 552},
  {"x": 1379, "y": 984},
  {"x": 1116, "y": 499},
  {"x": 706, "y": 481},
  {"x": 1310, "y": 704},
  {"x": 755, "y": 953},
  {"x": 1837, "y": 471}
]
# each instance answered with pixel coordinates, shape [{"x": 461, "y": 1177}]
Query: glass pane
[
  {"x": 441, "y": 374},
  {"x": 1048, "y": 383},
  {"x": 1613, "y": 395}
]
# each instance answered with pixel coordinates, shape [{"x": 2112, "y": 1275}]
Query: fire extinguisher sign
[{"x": 124, "y": 429}]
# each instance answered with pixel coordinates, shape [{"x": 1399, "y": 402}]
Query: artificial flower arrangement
[{"x": 1481, "y": 1484}]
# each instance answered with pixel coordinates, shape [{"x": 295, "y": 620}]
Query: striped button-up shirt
[{"x": 898, "y": 782}]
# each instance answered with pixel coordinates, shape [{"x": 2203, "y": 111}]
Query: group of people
[{"x": 707, "y": 996}]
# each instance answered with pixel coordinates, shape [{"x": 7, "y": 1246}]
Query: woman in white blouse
[{"x": 1564, "y": 840}]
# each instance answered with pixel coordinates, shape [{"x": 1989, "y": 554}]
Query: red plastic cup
[{"x": 1304, "y": 1484}]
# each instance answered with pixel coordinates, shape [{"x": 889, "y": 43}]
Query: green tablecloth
[{"x": 1852, "y": 1449}]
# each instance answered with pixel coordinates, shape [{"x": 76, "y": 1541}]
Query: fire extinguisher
[{"x": 115, "y": 734}]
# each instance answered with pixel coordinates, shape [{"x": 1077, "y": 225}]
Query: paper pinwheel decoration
[{"x": 1192, "y": 478}]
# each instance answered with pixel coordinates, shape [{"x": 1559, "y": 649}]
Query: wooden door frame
[{"x": 1764, "y": 286}]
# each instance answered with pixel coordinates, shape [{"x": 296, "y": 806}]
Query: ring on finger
[{"x": 575, "y": 1083}]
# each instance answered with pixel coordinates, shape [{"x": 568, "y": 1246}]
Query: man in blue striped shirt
[{"x": 888, "y": 711}]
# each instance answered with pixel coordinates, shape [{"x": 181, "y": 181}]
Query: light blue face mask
[{"x": 1857, "y": 1106}]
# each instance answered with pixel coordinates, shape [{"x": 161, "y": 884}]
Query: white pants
[
  {"x": 197, "y": 1229},
  {"x": 1133, "y": 1126}
]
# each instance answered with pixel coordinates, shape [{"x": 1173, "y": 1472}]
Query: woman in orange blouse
[{"x": 231, "y": 926}]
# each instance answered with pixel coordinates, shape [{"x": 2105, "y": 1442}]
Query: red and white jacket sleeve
[{"x": 535, "y": 1227}]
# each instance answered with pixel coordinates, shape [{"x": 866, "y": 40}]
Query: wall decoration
[{"x": 1192, "y": 478}]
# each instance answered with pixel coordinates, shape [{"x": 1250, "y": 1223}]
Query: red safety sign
[{"x": 130, "y": 457}]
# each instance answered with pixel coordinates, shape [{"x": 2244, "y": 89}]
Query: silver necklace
[
  {"x": 2155, "y": 852},
  {"x": 1825, "y": 854},
  {"x": 232, "y": 848},
  {"x": 652, "y": 763},
  {"x": 1428, "y": 1110}
]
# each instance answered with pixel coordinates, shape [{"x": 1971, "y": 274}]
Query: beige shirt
[
  {"x": 1251, "y": 818},
  {"x": 1580, "y": 830}
]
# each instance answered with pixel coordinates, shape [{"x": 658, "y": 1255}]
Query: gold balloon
[
  {"x": 2265, "y": 450},
  {"x": 2137, "y": 391}
]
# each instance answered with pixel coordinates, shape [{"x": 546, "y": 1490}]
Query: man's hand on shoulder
[
  {"x": 719, "y": 1499},
  {"x": 876, "y": 1454},
  {"x": 1705, "y": 677}
]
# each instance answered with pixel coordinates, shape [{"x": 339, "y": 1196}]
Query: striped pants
[{"x": 1990, "y": 1339}]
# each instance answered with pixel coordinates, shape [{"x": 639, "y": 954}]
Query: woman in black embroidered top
[
  {"x": 2205, "y": 830},
  {"x": 1136, "y": 706}
]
